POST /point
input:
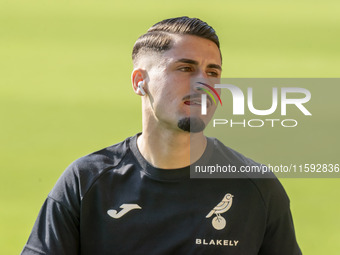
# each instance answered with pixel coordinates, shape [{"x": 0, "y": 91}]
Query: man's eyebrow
[
  {"x": 194, "y": 62},
  {"x": 187, "y": 61},
  {"x": 215, "y": 66}
]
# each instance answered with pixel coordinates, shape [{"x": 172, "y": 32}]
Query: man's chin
[{"x": 191, "y": 124}]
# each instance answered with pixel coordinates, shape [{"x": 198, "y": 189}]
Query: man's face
[{"x": 174, "y": 97}]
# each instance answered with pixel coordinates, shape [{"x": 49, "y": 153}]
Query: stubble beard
[{"x": 191, "y": 124}]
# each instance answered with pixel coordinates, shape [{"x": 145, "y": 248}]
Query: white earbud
[{"x": 140, "y": 88}]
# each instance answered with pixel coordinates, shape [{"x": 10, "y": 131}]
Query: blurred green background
[{"x": 65, "y": 91}]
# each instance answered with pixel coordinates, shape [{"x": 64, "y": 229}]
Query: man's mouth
[{"x": 195, "y": 100}]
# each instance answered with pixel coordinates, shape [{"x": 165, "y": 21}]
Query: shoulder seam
[
  {"x": 106, "y": 170},
  {"x": 259, "y": 191},
  {"x": 33, "y": 249},
  {"x": 263, "y": 200},
  {"x": 60, "y": 203}
]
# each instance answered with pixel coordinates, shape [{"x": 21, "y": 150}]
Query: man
[{"x": 136, "y": 197}]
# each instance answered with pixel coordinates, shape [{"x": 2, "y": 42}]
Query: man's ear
[{"x": 138, "y": 75}]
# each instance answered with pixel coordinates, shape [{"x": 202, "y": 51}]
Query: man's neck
[{"x": 171, "y": 149}]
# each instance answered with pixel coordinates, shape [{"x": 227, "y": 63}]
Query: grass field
[{"x": 65, "y": 91}]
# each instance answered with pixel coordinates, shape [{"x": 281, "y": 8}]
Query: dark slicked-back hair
[{"x": 159, "y": 36}]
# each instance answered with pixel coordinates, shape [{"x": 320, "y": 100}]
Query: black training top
[{"x": 114, "y": 202}]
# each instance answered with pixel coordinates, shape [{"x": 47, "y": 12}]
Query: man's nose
[
  {"x": 198, "y": 77},
  {"x": 201, "y": 74}
]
